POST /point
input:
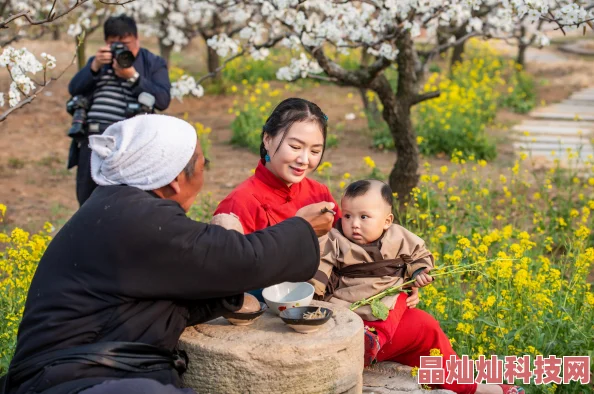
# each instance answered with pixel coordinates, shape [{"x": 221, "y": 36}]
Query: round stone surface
[{"x": 270, "y": 357}]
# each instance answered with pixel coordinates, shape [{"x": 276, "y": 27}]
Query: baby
[{"x": 366, "y": 253}]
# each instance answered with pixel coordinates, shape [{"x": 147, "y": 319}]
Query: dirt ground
[{"x": 36, "y": 186}]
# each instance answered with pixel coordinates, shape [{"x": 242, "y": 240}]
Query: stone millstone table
[{"x": 269, "y": 357}]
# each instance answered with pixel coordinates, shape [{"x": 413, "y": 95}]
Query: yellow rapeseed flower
[{"x": 369, "y": 162}]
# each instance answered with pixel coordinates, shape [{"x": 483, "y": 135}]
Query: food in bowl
[
  {"x": 288, "y": 295},
  {"x": 318, "y": 314},
  {"x": 306, "y": 319}
]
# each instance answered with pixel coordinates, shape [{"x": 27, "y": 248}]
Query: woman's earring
[{"x": 267, "y": 158}]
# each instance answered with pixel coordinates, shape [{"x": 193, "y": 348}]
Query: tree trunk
[
  {"x": 212, "y": 59},
  {"x": 214, "y": 62},
  {"x": 81, "y": 58},
  {"x": 458, "y": 50},
  {"x": 521, "y": 59},
  {"x": 370, "y": 107},
  {"x": 165, "y": 51},
  {"x": 457, "y": 53},
  {"x": 522, "y": 47},
  {"x": 404, "y": 175},
  {"x": 56, "y": 34}
]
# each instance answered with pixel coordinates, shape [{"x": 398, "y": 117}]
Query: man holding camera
[{"x": 122, "y": 80}]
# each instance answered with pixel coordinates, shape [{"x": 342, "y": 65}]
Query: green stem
[{"x": 393, "y": 289}]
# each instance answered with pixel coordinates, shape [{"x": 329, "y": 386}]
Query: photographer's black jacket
[
  {"x": 154, "y": 78},
  {"x": 130, "y": 266}
]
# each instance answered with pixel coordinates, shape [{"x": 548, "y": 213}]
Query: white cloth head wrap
[{"x": 146, "y": 151}]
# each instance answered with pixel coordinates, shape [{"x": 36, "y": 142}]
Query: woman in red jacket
[{"x": 293, "y": 142}]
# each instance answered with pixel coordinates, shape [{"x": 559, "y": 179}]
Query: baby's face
[{"x": 365, "y": 218}]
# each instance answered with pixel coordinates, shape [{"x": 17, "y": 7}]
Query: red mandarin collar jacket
[{"x": 264, "y": 200}]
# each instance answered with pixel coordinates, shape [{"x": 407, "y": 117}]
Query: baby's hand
[
  {"x": 423, "y": 278},
  {"x": 413, "y": 299}
]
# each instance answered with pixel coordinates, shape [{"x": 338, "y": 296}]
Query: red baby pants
[{"x": 407, "y": 334}]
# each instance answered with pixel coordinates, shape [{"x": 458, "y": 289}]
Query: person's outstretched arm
[{"x": 179, "y": 258}]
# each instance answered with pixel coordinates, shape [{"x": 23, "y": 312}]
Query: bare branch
[
  {"x": 19, "y": 37},
  {"x": 378, "y": 66},
  {"x": 442, "y": 48},
  {"x": 117, "y": 2},
  {"x": 212, "y": 74},
  {"x": 425, "y": 96},
  {"x": 334, "y": 70},
  {"x": 323, "y": 78},
  {"x": 49, "y": 14},
  {"x": 52, "y": 17}
]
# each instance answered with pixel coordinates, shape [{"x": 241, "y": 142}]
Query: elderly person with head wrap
[{"x": 129, "y": 271}]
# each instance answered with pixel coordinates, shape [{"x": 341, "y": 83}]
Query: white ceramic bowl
[{"x": 288, "y": 295}]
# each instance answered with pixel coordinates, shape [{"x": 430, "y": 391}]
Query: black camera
[
  {"x": 122, "y": 55},
  {"x": 145, "y": 105},
  {"x": 77, "y": 106}
]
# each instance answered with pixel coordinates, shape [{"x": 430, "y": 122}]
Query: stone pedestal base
[
  {"x": 269, "y": 357},
  {"x": 393, "y": 378}
]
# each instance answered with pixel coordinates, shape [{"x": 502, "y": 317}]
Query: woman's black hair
[{"x": 288, "y": 112}]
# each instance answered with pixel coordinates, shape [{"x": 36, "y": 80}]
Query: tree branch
[
  {"x": 360, "y": 78},
  {"x": 270, "y": 43},
  {"x": 24, "y": 102},
  {"x": 212, "y": 74},
  {"x": 334, "y": 70},
  {"x": 323, "y": 78},
  {"x": 378, "y": 66},
  {"x": 442, "y": 48},
  {"x": 32, "y": 97},
  {"x": 49, "y": 14},
  {"x": 19, "y": 37},
  {"x": 419, "y": 98},
  {"x": 117, "y": 2},
  {"x": 50, "y": 17}
]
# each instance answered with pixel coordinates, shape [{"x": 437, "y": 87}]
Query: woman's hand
[
  {"x": 321, "y": 222},
  {"x": 413, "y": 299},
  {"x": 423, "y": 278}
]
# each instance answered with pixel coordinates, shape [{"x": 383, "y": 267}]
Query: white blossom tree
[
  {"x": 387, "y": 30},
  {"x": 89, "y": 17},
  {"x": 167, "y": 20},
  {"x": 28, "y": 19},
  {"x": 177, "y": 22},
  {"x": 527, "y": 29}
]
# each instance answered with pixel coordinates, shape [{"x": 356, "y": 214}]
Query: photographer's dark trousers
[{"x": 84, "y": 183}]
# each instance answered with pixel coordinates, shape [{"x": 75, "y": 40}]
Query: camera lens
[
  {"x": 125, "y": 58},
  {"x": 122, "y": 55}
]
